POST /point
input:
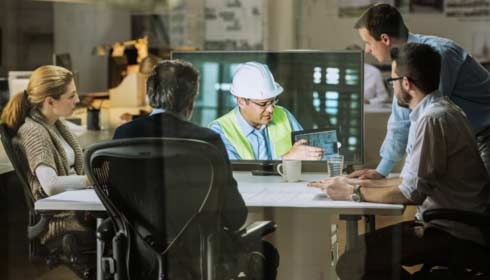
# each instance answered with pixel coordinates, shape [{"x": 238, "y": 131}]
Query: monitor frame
[{"x": 308, "y": 166}]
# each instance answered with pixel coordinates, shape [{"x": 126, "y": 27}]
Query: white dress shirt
[{"x": 443, "y": 168}]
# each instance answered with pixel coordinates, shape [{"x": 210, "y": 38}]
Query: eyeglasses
[
  {"x": 391, "y": 80},
  {"x": 264, "y": 104}
]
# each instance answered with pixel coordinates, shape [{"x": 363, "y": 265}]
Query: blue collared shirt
[
  {"x": 157, "y": 111},
  {"x": 248, "y": 131},
  {"x": 463, "y": 80}
]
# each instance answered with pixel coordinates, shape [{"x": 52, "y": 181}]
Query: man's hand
[
  {"x": 336, "y": 188},
  {"x": 302, "y": 151},
  {"x": 366, "y": 174},
  {"x": 342, "y": 179}
]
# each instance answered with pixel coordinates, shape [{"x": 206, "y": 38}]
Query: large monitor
[{"x": 322, "y": 89}]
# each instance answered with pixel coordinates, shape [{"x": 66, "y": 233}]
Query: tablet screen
[{"x": 326, "y": 139}]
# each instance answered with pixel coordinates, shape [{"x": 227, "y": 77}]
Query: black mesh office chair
[
  {"x": 63, "y": 249},
  {"x": 164, "y": 197},
  {"x": 457, "y": 269}
]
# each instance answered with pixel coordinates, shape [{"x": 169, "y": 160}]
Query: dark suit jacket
[{"x": 170, "y": 125}]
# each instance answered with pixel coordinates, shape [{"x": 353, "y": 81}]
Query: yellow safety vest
[{"x": 279, "y": 130}]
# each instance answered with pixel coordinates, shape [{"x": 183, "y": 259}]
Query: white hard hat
[{"x": 254, "y": 80}]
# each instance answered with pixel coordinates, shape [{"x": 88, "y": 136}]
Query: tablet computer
[{"x": 322, "y": 137}]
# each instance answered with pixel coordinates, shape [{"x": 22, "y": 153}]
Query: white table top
[
  {"x": 5, "y": 165},
  {"x": 257, "y": 191},
  {"x": 79, "y": 200}
]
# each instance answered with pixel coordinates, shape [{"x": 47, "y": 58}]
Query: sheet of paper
[{"x": 87, "y": 195}]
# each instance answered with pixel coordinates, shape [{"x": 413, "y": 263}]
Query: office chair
[
  {"x": 456, "y": 269},
  {"x": 164, "y": 196},
  {"x": 63, "y": 249}
]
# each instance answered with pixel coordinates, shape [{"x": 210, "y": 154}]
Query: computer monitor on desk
[
  {"x": 63, "y": 60},
  {"x": 322, "y": 89},
  {"x": 18, "y": 81}
]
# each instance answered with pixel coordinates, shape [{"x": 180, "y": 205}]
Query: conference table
[
  {"x": 306, "y": 217},
  {"x": 280, "y": 200}
]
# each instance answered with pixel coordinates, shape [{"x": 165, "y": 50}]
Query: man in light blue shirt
[
  {"x": 251, "y": 135},
  {"x": 258, "y": 129},
  {"x": 462, "y": 79}
]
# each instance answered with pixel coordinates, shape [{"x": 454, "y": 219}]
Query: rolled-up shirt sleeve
[{"x": 424, "y": 165}]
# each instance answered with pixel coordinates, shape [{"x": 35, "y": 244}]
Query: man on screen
[{"x": 257, "y": 129}]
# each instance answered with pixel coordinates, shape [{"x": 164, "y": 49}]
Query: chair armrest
[
  {"x": 466, "y": 217},
  {"x": 39, "y": 228},
  {"x": 257, "y": 229},
  {"x": 105, "y": 231}
]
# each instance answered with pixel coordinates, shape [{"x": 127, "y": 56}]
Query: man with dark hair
[
  {"x": 439, "y": 141},
  {"x": 172, "y": 87},
  {"x": 463, "y": 80}
]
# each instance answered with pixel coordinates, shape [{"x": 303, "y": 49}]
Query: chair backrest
[
  {"x": 18, "y": 161},
  {"x": 164, "y": 196}
]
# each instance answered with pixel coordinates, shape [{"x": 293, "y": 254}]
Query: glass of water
[{"x": 335, "y": 164}]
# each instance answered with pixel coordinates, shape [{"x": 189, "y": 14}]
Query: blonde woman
[{"x": 54, "y": 156}]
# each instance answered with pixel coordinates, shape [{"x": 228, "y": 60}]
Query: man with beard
[
  {"x": 463, "y": 80},
  {"x": 258, "y": 129},
  {"x": 440, "y": 140}
]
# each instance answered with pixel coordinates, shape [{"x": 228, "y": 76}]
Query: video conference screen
[{"x": 322, "y": 90}]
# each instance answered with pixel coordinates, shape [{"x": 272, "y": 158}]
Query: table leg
[
  {"x": 99, "y": 252},
  {"x": 351, "y": 230},
  {"x": 370, "y": 223}
]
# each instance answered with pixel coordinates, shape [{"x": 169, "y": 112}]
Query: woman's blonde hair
[{"x": 46, "y": 81}]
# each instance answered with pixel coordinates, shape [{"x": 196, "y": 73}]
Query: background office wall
[
  {"x": 320, "y": 27},
  {"x": 81, "y": 27},
  {"x": 78, "y": 28},
  {"x": 27, "y": 34}
]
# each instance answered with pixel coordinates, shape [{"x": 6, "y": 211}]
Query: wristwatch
[{"x": 356, "y": 194}]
